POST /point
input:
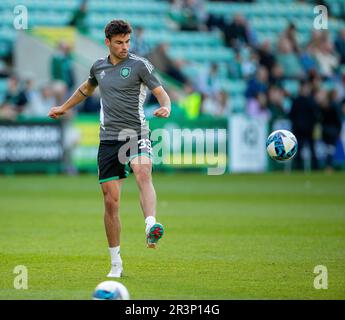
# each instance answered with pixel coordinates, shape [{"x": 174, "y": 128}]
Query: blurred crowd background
[{"x": 261, "y": 58}]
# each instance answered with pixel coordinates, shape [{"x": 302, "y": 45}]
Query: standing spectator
[
  {"x": 331, "y": 124},
  {"x": 303, "y": 116},
  {"x": 62, "y": 65}
]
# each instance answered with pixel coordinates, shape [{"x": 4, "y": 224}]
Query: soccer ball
[
  {"x": 110, "y": 290},
  {"x": 281, "y": 145}
]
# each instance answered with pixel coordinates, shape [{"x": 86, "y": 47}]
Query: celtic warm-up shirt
[{"x": 123, "y": 92}]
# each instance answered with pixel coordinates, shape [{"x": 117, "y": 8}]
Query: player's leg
[
  {"x": 111, "y": 195},
  {"x": 142, "y": 169},
  {"x": 111, "y": 174}
]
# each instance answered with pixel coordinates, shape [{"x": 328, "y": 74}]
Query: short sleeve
[
  {"x": 146, "y": 72},
  {"x": 92, "y": 79}
]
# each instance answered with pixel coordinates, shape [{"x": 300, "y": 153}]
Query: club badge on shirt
[{"x": 125, "y": 72}]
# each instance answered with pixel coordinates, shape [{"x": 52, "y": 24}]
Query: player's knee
[
  {"x": 111, "y": 201},
  {"x": 143, "y": 175}
]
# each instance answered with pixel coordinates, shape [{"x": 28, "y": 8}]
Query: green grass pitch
[{"x": 226, "y": 237}]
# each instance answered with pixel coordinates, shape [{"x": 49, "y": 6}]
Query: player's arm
[
  {"x": 164, "y": 102},
  {"x": 86, "y": 89}
]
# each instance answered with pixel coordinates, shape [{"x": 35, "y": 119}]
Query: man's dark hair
[{"x": 116, "y": 27}]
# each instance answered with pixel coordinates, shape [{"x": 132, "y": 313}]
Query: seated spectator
[
  {"x": 326, "y": 59},
  {"x": 340, "y": 45},
  {"x": 16, "y": 97},
  {"x": 79, "y": 18},
  {"x": 275, "y": 103},
  {"x": 308, "y": 60},
  {"x": 257, "y": 106},
  {"x": 236, "y": 32},
  {"x": 219, "y": 106},
  {"x": 41, "y": 101},
  {"x": 288, "y": 60},
  {"x": 277, "y": 76},
  {"x": 7, "y": 112},
  {"x": 266, "y": 55},
  {"x": 208, "y": 83},
  {"x": 139, "y": 45},
  {"x": 291, "y": 36},
  {"x": 160, "y": 59},
  {"x": 257, "y": 84},
  {"x": 190, "y": 15},
  {"x": 249, "y": 62}
]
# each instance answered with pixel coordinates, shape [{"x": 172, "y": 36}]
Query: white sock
[
  {"x": 115, "y": 255},
  {"x": 150, "y": 221}
]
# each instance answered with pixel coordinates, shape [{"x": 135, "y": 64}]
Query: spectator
[
  {"x": 218, "y": 106},
  {"x": 161, "y": 60},
  {"x": 331, "y": 124},
  {"x": 257, "y": 84},
  {"x": 62, "y": 65},
  {"x": 303, "y": 116},
  {"x": 288, "y": 60},
  {"x": 139, "y": 44},
  {"x": 266, "y": 56},
  {"x": 41, "y": 101},
  {"x": 340, "y": 87},
  {"x": 307, "y": 59},
  {"x": 236, "y": 32},
  {"x": 326, "y": 59},
  {"x": 79, "y": 18},
  {"x": 257, "y": 106},
  {"x": 291, "y": 36},
  {"x": 7, "y": 112},
  {"x": 340, "y": 46},
  {"x": 275, "y": 103},
  {"x": 277, "y": 76},
  {"x": 191, "y": 102},
  {"x": 190, "y": 15},
  {"x": 208, "y": 83},
  {"x": 16, "y": 97}
]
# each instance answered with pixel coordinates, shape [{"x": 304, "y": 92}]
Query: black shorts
[{"x": 114, "y": 157}]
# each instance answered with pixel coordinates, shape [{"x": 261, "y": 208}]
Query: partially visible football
[
  {"x": 110, "y": 290},
  {"x": 281, "y": 145}
]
